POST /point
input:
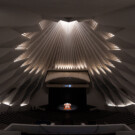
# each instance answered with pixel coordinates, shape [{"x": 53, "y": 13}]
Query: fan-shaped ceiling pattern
[
  {"x": 67, "y": 46},
  {"x": 97, "y": 36}
]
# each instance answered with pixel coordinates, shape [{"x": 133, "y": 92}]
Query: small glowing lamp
[{"x": 67, "y": 106}]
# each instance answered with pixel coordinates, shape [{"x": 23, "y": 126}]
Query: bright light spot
[
  {"x": 91, "y": 71},
  {"x": 43, "y": 72},
  {"x": 111, "y": 104},
  {"x": 108, "y": 35},
  {"x": 68, "y": 85},
  {"x": 22, "y": 46},
  {"x": 94, "y": 24},
  {"x": 19, "y": 48},
  {"x": 41, "y": 24},
  {"x": 23, "y": 104},
  {"x": 24, "y": 34},
  {"x": 28, "y": 68},
  {"x": 32, "y": 70},
  {"x": 7, "y": 103},
  {"x": 27, "y": 35},
  {"x": 70, "y": 66},
  {"x": 118, "y": 60},
  {"x": 115, "y": 47},
  {"x": 97, "y": 71},
  {"x": 25, "y": 63},
  {"x": 38, "y": 71},
  {"x": 21, "y": 57},
  {"x": 121, "y": 105},
  {"x": 67, "y": 106},
  {"x": 102, "y": 70},
  {"x": 114, "y": 58},
  {"x": 110, "y": 64},
  {"x": 67, "y": 26},
  {"x": 108, "y": 69}
]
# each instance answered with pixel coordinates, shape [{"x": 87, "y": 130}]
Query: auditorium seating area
[{"x": 38, "y": 116}]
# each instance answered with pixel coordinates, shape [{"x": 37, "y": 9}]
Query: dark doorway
[{"x": 76, "y": 96}]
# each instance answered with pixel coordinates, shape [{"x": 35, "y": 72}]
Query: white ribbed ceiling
[{"x": 35, "y": 38}]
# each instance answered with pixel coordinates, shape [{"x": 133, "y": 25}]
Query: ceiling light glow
[
  {"x": 67, "y": 26},
  {"x": 21, "y": 57},
  {"x": 22, "y": 46},
  {"x": 23, "y": 104},
  {"x": 68, "y": 34},
  {"x": 94, "y": 24},
  {"x": 7, "y": 103},
  {"x": 70, "y": 66},
  {"x": 27, "y": 35},
  {"x": 107, "y": 35},
  {"x": 114, "y": 47},
  {"x": 121, "y": 105}
]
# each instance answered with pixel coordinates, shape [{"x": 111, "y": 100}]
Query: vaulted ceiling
[{"x": 92, "y": 35}]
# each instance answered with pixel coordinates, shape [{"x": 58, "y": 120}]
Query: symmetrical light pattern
[
  {"x": 82, "y": 66},
  {"x": 68, "y": 46},
  {"x": 103, "y": 45}
]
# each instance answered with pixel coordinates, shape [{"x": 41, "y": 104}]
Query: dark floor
[{"x": 65, "y": 118}]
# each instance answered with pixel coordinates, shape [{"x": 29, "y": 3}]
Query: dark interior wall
[{"x": 76, "y": 96}]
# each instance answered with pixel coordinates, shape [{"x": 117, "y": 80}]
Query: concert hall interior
[{"x": 67, "y": 67}]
